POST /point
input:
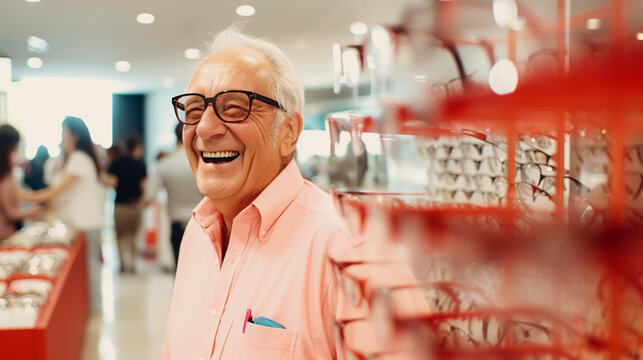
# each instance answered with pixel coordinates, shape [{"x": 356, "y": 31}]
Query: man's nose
[{"x": 210, "y": 124}]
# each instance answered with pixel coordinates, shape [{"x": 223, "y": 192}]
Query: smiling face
[{"x": 233, "y": 162}]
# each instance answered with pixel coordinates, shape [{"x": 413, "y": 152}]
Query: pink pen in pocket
[{"x": 245, "y": 321}]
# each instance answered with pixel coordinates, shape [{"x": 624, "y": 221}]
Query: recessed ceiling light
[
  {"x": 34, "y": 62},
  {"x": 419, "y": 78},
  {"x": 37, "y": 44},
  {"x": 593, "y": 24},
  {"x": 145, "y": 18},
  {"x": 122, "y": 66},
  {"x": 245, "y": 10},
  {"x": 639, "y": 36},
  {"x": 192, "y": 53},
  {"x": 359, "y": 28},
  {"x": 33, "y": 1}
]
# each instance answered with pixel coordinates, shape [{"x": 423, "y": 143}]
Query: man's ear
[{"x": 291, "y": 129}]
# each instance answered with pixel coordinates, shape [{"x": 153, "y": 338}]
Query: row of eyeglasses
[
  {"x": 466, "y": 169},
  {"x": 466, "y": 313}
]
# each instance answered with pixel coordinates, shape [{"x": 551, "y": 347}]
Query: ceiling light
[
  {"x": 122, "y": 66},
  {"x": 192, "y": 53},
  {"x": 245, "y": 10},
  {"x": 503, "y": 77},
  {"x": 419, "y": 78},
  {"x": 34, "y": 62},
  {"x": 37, "y": 44},
  {"x": 145, "y": 18},
  {"x": 593, "y": 24},
  {"x": 359, "y": 28},
  {"x": 639, "y": 36},
  {"x": 33, "y": 1},
  {"x": 505, "y": 12}
]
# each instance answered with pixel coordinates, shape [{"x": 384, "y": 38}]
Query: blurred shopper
[
  {"x": 75, "y": 193},
  {"x": 127, "y": 174},
  {"x": 35, "y": 175},
  {"x": 10, "y": 210},
  {"x": 174, "y": 174}
]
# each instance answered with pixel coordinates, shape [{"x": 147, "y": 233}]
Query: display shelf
[{"x": 60, "y": 327}]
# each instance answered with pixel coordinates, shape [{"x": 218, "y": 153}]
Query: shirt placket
[{"x": 237, "y": 247}]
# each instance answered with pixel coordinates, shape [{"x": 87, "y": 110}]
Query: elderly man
[{"x": 253, "y": 281}]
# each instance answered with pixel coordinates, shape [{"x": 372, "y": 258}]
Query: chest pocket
[{"x": 258, "y": 342}]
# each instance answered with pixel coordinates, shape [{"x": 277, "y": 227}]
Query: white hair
[{"x": 285, "y": 87}]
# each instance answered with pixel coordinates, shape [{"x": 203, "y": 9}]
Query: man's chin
[{"x": 215, "y": 190}]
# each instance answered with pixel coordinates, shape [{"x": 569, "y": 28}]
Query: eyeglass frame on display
[{"x": 432, "y": 321}]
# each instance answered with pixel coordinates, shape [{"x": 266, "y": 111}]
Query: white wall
[{"x": 160, "y": 122}]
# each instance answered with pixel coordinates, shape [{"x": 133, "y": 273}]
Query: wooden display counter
[{"x": 59, "y": 331}]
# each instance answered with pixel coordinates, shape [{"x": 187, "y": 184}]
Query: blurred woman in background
[
  {"x": 10, "y": 210},
  {"x": 77, "y": 196}
]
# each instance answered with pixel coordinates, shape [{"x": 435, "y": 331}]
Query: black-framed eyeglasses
[{"x": 229, "y": 105}]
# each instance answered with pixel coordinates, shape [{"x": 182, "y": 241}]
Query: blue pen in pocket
[
  {"x": 264, "y": 321},
  {"x": 261, "y": 321}
]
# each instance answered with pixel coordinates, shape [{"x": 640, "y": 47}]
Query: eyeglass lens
[{"x": 229, "y": 106}]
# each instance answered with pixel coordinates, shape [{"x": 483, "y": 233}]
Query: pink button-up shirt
[{"x": 276, "y": 265}]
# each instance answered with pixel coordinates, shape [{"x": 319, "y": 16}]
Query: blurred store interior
[{"x": 367, "y": 66}]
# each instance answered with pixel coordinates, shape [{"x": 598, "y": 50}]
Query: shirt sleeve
[{"x": 78, "y": 165}]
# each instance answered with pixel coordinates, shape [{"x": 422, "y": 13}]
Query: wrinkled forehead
[
  {"x": 232, "y": 70},
  {"x": 207, "y": 74}
]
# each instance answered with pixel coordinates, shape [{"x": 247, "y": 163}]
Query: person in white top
[
  {"x": 174, "y": 174},
  {"x": 76, "y": 195}
]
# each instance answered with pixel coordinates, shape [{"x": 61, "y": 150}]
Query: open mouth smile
[{"x": 219, "y": 157}]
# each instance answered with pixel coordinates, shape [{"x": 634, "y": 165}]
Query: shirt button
[
  {"x": 213, "y": 312},
  {"x": 263, "y": 233}
]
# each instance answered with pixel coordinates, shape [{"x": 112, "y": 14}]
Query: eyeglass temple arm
[
  {"x": 451, "y": 48},
  {"x": 582, "y": 186},
  {"x": 486, "y": 45}
]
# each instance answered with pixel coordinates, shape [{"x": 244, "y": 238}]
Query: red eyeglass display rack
[{"x": 562, "y": 281}]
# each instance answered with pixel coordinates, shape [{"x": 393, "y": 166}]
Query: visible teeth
[{"x": 220, "y": 154}]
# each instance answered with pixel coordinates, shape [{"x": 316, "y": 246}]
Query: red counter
[{"x": 59, "y": 331}]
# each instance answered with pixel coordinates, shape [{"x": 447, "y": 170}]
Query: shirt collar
[
  {"x": 276, "y": 197},
  {"x": 208, "y": 217},
  {"x": 270, "y": 203}
]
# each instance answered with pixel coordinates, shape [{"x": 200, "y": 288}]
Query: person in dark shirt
[
  {"x": 127, "y": 174},
  {"x": 34, "y": 177}
]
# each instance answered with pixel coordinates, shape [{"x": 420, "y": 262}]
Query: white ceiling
[{"x": 87, "y": 37}]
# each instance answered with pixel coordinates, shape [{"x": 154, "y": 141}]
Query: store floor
[{"x": 135, "y": 309}]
